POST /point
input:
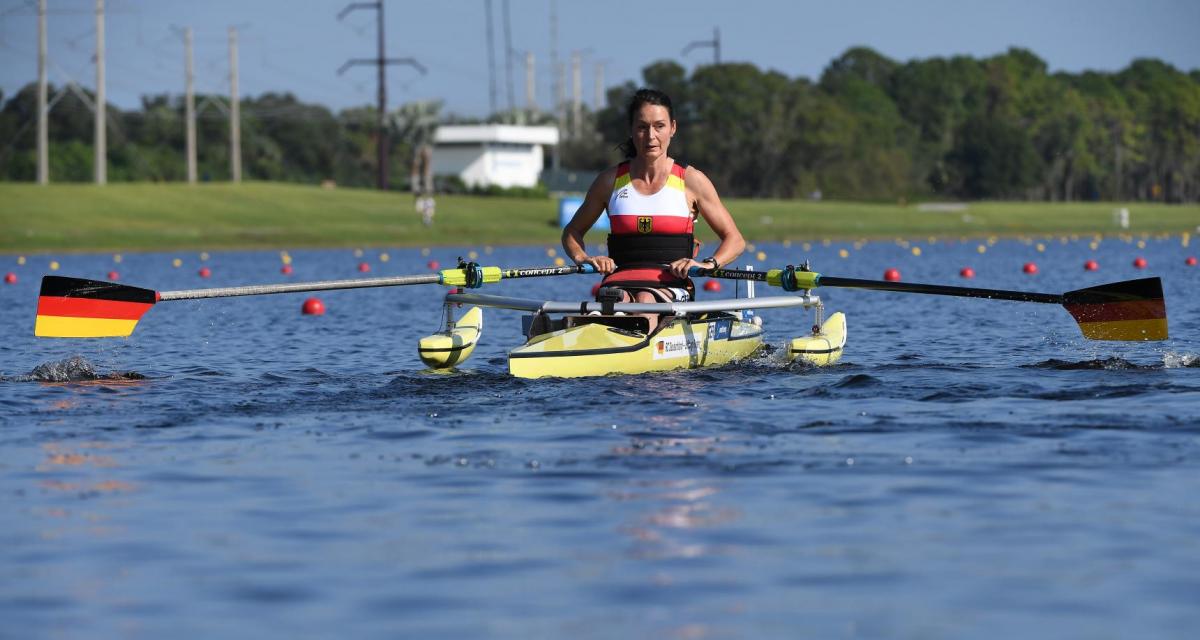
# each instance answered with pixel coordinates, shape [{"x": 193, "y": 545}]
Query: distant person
[
  {"x": 422, "y": 184},
  {"x": 652, "y": 203}
]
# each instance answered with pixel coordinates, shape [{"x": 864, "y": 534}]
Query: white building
[{"x": 492, "y": 154}]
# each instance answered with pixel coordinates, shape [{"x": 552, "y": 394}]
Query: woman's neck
[{"x": 650, "y": 170}]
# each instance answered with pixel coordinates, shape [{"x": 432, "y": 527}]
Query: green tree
[{"x": 994, "y": 158}]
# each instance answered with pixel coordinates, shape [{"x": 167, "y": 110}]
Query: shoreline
[{"x": 151, "y": 217}]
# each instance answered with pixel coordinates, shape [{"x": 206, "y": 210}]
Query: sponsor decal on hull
[
  {"x": 720, "y": 329},
  {"x": 675, "y": 347}
]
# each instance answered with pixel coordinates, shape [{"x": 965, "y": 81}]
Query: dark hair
[{"x": 640, "y": 99}]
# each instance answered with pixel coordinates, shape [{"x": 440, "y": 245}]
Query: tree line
[{"x": 1001, "y": 127}]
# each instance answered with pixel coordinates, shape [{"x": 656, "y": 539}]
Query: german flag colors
[
  {"x": 79, "y": 308},
  {"x": 1131, "y": 310}
]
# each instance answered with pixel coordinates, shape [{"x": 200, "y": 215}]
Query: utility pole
[
  {"x": 43, "y": 137},
  {"x": 101, "y": 134},
  {"x": 190, "y": 106},
  {"x": 491, "y": 56},
  {"x": 380, "y": 61},
  {"x": 235, "y": 112},
  {"x": 530, "y": 85},
  {"x": 715, "y": 43},
  {"x": 556, "y": 71},
  {"x": 599, "y": 78},
  {"x": 576, "y": 95},
  {"x": 508, "y": 63}
]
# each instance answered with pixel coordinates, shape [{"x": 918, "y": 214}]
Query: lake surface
[{"x": 971, "y": 469}]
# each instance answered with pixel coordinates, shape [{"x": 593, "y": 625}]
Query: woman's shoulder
[
  {"x": 612, "y": 172},
  {"x": 605, "y": 178},
  {"x": 615, "y": 171},
  {"x": 691, "y": 174}
]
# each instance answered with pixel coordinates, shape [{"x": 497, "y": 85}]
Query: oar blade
[
  {"x": 79, "y": 308},
  {"x": 1130, "y": 310}
]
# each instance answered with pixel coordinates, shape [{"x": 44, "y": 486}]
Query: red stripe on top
[
  {"x": 678, "y": 170},
  {"x": 91, "y": 308},
  {"x": 628, "y": 224},
  {"x": 622, "y": 169},
  {"x": 1114, "y": 311}
]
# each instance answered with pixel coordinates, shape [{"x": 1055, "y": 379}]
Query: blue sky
[{"x": 298, "y": 46}]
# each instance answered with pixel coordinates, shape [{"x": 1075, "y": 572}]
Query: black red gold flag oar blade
[
  {"x": 1130, "y": 310},
  {"x": 78, "y": 308}
]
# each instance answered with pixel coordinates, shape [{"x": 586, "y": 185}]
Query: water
[{"x": 971, "y": 469}]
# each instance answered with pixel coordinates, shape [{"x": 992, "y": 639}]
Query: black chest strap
[{"x": 657, "y": 248}]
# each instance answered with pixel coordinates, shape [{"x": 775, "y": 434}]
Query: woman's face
[{"x": 652, "y": 131}]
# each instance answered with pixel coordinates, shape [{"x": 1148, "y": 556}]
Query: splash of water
[
  {"x": 1173, "y": 360},
  {"x": 75, "y": 369}
]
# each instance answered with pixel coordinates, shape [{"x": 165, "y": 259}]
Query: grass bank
[{"x": 145, "y": 217}]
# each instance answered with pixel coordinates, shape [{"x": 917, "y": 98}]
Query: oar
[
  {"x": 79, "y": 308},
  {"x": 1129, "y": 310}
]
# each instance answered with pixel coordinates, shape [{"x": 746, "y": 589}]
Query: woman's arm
[
  {"x": 708, "y": 203},
  {"x": 589, "y": 212}
]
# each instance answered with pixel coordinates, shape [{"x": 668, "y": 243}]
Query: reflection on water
[
  {"x": 80, "y": 471},
  {"x": 679, "y": 506}
]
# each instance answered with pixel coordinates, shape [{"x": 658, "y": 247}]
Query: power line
[
  {"x": 508, "y": 52},
  {"x": 380, "y": 62},
  {"x": 491, "y": 56},
  {"x": 715, "y": 44}
]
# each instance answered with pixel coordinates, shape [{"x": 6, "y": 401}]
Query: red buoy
[
  {"x": 595, "y": 289},
  {"x": 1091, "y": 265},
  {"x": 114, "y": 276},
  {"x": 433, "y": 265},
  {"x": 892, "y": 275},
  {"x": 1029, "y": 268},
  {"x": 10, "y": 278},
  {"x": 1190, "y": 261},
  {"x": 205, "y": 272},
  {"x": 967, "y": 272},
  {"x": 1139, "y": 263},
  {"x": 712, "y": 285},
  {"x": 364, "y": 267},
  {"x": 286, "y": 270},
  {"x": 313, "y": 307}
]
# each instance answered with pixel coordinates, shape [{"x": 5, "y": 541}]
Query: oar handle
[
  {"x": 535, "y": 272},
  {"x": 473, "y": 276},
  {"x": 788, "y": 279}
]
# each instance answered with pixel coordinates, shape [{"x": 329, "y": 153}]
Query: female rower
[{"x": 652, "y": 203}]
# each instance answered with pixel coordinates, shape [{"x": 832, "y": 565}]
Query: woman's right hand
[{"x": 603, "y": 264}]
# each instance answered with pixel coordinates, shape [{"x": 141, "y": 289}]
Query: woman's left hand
[{"x": 680, "y": 267}]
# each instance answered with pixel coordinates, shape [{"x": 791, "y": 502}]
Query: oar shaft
[
  {"x": 325, "y": 285},
  {"x": 941, "y": 290},
  {"x": 446, "y": 276}
]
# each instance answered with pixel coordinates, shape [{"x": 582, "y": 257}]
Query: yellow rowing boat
[{"x": 595, "y": 339}]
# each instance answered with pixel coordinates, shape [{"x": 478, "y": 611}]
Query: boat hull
[
  {"x": 598, "y": 350},
  {"x": 823, "y": 348}
]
